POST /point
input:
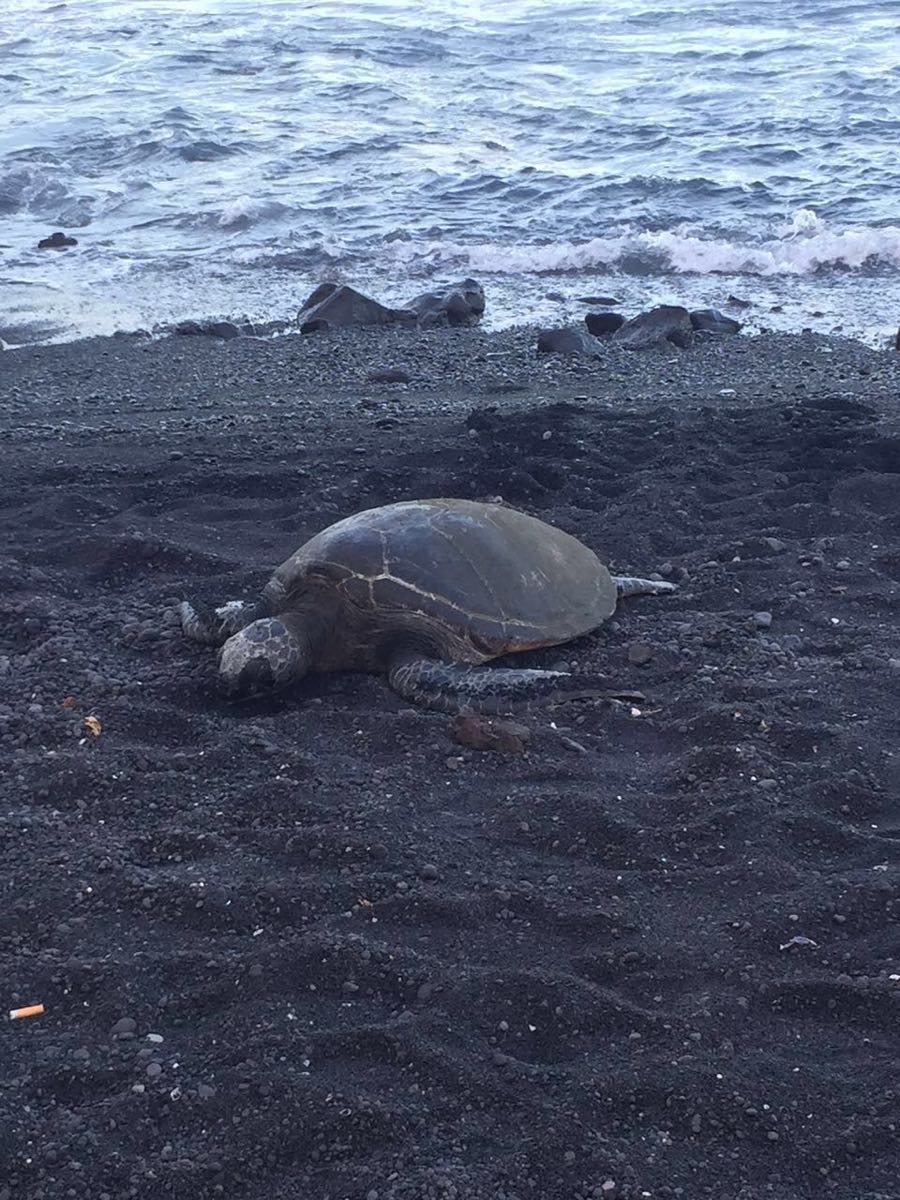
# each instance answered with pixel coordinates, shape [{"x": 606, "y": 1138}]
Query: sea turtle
[{"x": 425, "y": 591}]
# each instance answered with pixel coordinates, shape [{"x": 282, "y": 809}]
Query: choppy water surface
[{"x": 224, "y": 157}]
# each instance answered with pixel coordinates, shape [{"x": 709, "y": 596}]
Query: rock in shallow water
[
  {"x": 333, "y": 306},
  {"x": 710, "y": 320},
  {"x": 462, "y": 304},
  {"x": 667, "y": 323},
  {"x": 57, "y": 241},
  {"x": 599, "y": 323},
  {"x": 219, "y": 329}
]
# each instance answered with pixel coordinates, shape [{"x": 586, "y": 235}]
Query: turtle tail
[
  {"x": 217, "y": 627},
  {"x": 628, "y": 585},
  {"x": 453, "y": 687}
]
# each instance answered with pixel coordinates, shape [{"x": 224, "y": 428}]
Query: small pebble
[
  {"x": 639, "y": 653},
  {"x": 762, "y": 620}
]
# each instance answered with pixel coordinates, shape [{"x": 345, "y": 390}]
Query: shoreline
[
  {"x": 839, "y": 306},
  {"x": 500, "y": 365}
]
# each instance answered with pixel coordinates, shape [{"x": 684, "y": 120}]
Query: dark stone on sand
[
  {"x": 600, "y": 323},
  {"x": 223, "y": 329},
  {"x": 737, "y": 302},
  {"x": 760, "y": 547},
  {"x": 57, "y": 241},
  {"x": 218, "y": 329},
  {"x": 667, "y": 323},
  {"x": 710, "y": 320},
  {"x": 489, "y": 733},
  {"x": 333, "y": 306},
  {"x": 462, "y": 304},
  {"x": 567, "y": 340},
  {"x": 388, "y": 375},
  {"x": 601, "y": 301},
  {"x": 317, "y": 325}
]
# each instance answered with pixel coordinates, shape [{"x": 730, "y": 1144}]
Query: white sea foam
[
  {"x": 802, "y": 247},
  {"x": 244, "y": 210}
]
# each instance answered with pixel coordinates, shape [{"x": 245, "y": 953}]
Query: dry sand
[{"x": 374, "y": 964}]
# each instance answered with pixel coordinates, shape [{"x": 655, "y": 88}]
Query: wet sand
[{"x": 377, "y": 964}]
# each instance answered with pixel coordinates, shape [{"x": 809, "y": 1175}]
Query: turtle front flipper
[
  {"x": 222, "y": 623},
  {"x": 453, "y": 687}
]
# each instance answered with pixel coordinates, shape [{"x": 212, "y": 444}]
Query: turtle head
[{"x": 262, "y": 657}]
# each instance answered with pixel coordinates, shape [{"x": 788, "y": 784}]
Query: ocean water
[{"x": 222, "y": 157}]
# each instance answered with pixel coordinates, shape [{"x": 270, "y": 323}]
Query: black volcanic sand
[{"x": 255, "y": 986}]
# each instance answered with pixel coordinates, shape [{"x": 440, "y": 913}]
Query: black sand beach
[{"x": 315, "y": 948}]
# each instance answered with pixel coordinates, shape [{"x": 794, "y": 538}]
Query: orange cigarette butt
[{"x": 32, "y": 1010}]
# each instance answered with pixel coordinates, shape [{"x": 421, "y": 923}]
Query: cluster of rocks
[
  {"x": 337, "y": 306},
  {"x": 334, "y": 306},
  {"x": 661, "y": 325}
]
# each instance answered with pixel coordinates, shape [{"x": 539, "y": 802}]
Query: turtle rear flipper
[
  {"x": 454, "y": 687},
  {"x": 222, "y": 623},
  {"x": 628, "y": 585}
]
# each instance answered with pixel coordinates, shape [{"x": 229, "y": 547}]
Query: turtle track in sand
[{"x": 592, "y": 988}]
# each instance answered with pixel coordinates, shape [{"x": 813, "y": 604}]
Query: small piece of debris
[
  {"x": 30, "y": 1010},
  {"x": 799, "y": 941}
]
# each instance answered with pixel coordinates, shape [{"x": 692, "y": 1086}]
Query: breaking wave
[{"x": 804, "y": 247}]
